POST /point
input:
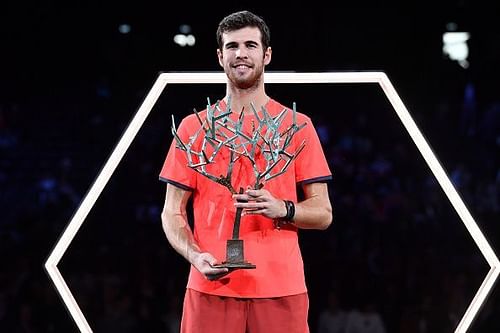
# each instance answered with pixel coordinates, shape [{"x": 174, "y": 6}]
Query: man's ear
[
  {"x": 219, "y": 55},
  {"x": 267, "y": 56}
]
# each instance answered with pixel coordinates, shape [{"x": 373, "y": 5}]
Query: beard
[{"x": 246, "y": 80}]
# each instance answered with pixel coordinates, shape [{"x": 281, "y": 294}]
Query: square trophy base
[{"x": 234, "y": 256}]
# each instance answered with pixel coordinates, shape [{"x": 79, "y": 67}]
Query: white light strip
[
  {"x": 89, "y": 201},
  {"x": 455, "y": 200},
  {"x": 284, "y": 77}
]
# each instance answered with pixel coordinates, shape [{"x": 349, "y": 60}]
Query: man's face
[{"x": 243, "y": 57}]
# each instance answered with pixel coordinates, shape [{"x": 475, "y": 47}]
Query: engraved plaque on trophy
[{"x": 218, "y": 132}]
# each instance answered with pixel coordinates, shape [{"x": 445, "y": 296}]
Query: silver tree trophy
[{"x": 218, "y": 132}]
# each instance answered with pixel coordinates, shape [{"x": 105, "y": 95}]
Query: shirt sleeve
[
  {"x": 311, "y": 165},
  {"x": 175, "y": 169}
]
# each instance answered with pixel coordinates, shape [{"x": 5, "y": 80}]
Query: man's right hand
[{"x": 204, "y": 262}]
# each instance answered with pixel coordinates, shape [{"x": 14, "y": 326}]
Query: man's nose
[{"x": 241, "y": 53}]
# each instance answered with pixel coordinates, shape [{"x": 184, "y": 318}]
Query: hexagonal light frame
[{"x": 270, "y": 77}]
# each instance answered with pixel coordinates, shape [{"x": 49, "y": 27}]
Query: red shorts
[{"x": 204, "y": 313}]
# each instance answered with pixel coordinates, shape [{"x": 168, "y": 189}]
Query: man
[{"x": 273, "y": 296}]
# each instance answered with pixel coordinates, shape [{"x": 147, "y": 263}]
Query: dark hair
[{"x": 242, "y": 19}]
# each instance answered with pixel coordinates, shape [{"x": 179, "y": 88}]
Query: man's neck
[{"x": 241, "y": 99}]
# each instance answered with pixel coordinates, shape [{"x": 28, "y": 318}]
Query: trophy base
[
  {"x": 234, "y": 256},
  {"x": 235, "y": 265}
]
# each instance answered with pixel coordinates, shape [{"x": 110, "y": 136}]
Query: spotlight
[
  {"x": 455, "y": 47},
  {"x": 184, "y": 38},
  {"x": 124, "y": 28}
]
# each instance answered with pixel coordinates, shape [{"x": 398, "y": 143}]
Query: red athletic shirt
[{"x": 274, "y": 251}]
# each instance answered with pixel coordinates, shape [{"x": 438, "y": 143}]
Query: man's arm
[
  {"x": 314, "y": 212},
  {"x": 179, "y": 234}
]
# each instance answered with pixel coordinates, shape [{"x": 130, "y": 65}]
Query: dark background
[{"x": 71, "y": 82}]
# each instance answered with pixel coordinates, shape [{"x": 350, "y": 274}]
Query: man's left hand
[{"x": 260, "y": 202}]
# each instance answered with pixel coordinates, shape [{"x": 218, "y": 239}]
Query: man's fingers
[
  {"x": 253, "y": 196},
  {"x": 254, "y": 211},
  {"x": 250, "y": 205},
  {"x": 256, "y": 193},
  {"x": 216, "y": 269},
  {"x": 242, "y": 197},
  {"x": 213, "y": 277},
  {"x": 214, "y": 273},
  {"x": 217, "y": 276}
]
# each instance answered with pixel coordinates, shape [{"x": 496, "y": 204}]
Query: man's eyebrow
[
  {"x": 230, "y": 44},
  {"x": 248, "y": 42}
]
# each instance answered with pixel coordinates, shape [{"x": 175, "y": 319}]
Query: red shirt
[{"x": 275, "y": 252}]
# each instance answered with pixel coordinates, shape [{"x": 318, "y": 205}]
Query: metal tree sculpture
[{"x": 218, "y": 131}]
